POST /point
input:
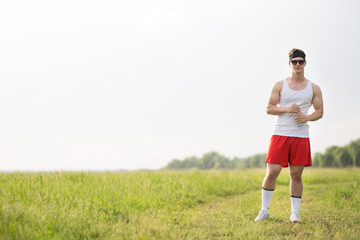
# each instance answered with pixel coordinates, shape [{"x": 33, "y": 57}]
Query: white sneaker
[
  {"x": 263, "y": 214},
  {"x": 295, "y": 217}
]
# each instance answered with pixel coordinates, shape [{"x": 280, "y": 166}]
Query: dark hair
[{"x": 297, "y": 52}]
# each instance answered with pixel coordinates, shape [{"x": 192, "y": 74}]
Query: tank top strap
[
  {"x": 309, "y": 85},
  {"x": 285, "y": 83}
]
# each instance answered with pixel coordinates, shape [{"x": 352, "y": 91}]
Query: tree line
[
  {"x": 334, "y": 156},
  {"x": 214, "y": 160}
]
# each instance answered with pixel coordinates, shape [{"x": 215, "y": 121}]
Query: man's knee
[
  {"x": 296, "y": 178},
  {"x": 272, "y": 174},
  {"x": 296, "y": 175}
]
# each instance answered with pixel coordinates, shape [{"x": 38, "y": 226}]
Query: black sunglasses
[{"x": 295, "y": 62}]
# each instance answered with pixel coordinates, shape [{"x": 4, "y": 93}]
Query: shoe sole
[{"x": 260, "y": 220}]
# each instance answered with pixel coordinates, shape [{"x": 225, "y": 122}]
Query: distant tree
[
  {"x": 354, "y": 151},
  {"x": 257, "y": 160},
  {"x": 327, "y": 160},
  {"x": 224, "y": 163},
  {"x": 316, "y": 160},
  {"x": 174, "y": 164},
  {"x": 190, "y": 162},
  {"x": 213, "y": 160},
  {"x": 342, "y": 157},
  {"x": 241, "y": 163}
]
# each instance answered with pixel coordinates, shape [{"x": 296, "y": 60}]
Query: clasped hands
[{"x": 299, "y": 116}]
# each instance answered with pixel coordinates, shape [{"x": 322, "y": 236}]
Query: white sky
[{"x": 109, "y": 85}]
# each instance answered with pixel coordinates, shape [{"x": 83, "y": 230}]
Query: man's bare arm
[
  {"x": 317, "y": 103},
  {"x": 318, "y": 106},
  {"x": 274, "y": 100}
]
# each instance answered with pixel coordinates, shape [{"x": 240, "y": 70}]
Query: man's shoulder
[
  {"x": 316, "y": 89},
  {"x": 279, "y": 81},
  {"x": 278, "y": 84},
  {"x": 315, "y": 86}
]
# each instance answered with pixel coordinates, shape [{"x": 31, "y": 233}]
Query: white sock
[
  {"x": 266, "y": 196},
  {"x": 295, "y": 204}
]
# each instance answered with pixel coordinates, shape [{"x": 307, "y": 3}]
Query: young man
[{"x": 290, "y": 100}]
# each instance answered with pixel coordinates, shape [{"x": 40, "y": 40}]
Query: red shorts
[{"x": 289, "y": 150}]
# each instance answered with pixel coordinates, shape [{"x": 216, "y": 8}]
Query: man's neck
[{"x": 298, "y": 77}]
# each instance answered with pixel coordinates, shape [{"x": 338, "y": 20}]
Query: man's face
[{"x": 297, "y": 64}]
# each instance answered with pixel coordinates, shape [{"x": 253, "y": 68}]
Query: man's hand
[
  {"x": 301, "y": 118},
  {"x": 293, "y": 108}
]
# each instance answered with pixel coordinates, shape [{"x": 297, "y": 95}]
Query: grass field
[{"x": 175, "y": 205}]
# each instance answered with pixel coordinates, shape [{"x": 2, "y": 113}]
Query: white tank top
[{"x": 286, "y": 125}]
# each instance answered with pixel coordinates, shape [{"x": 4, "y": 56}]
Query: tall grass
[{"x": 169, "y": 205}]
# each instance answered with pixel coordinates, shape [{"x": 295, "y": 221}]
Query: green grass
[{"x": 175, "y": 205}]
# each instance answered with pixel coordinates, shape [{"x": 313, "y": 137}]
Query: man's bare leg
[
  {"x": 296, "y": 189},
  {"x": 268, "y": 187},
  {"x": 296, "y": 184},
  {"x": 272, "y": 172}
]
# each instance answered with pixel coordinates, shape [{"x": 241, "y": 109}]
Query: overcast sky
[{"x": 109, "y": 85}]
